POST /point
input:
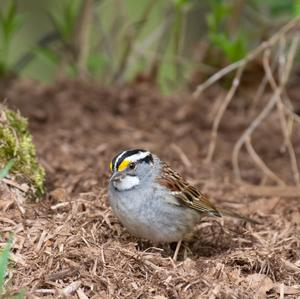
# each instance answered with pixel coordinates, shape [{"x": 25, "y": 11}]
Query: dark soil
[{"x": 71, "y": 245}]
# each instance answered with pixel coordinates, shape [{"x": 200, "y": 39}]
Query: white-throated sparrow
[{"x": 153, "y": 201}]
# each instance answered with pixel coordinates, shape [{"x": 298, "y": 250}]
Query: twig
[
  {"x": 292, "y": 114},
  {"x": 253, "y": 54},
  {"x": 240, "y": 67},
  {"x": 220, "y": 113},
  {"x": 185, "y": 160},
  {"x": 283, "y": 80},
  {"x": 260, "y": 91},
  {"x": 275, "y": 100},
  {"x": 254, "y": 124},
  {"x": 261, "y": 164},
  {"x": 262, "y": 87},
  {"x": 287, "y": 136},
  {"x": 217, "y": 76}
]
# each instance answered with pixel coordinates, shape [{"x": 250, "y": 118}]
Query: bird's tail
[{"x": 225, "y": 212}]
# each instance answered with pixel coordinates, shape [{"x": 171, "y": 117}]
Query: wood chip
[
  {"x": 71, "y": 288},
  {"x": 61, "y": 274},
  {"x": 287, "y": 290},
  {"x": 10, "y": 182},
  {"x": 261, "y": 284},
  {"x": 81, "y": 294}
]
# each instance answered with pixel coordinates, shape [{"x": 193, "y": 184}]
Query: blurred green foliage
[
  {"x": 233, "y": 47},
  {"x": 158, "y": 39},
  {"x": 10, "y": 22},
  {"x": 64, "y": 20}
]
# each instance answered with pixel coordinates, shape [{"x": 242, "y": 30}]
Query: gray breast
[{"x": 147, "y": 213}]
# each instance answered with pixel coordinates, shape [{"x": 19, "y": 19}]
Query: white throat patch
[{"x": 127, "y": 183}]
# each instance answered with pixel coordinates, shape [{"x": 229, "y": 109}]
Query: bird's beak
[{"x": 117, "y": 176}]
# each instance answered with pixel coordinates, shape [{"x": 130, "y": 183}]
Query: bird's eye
[{"x": 132, "y": 165}]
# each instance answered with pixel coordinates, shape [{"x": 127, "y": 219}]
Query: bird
[{"x": 153, "y": 201}]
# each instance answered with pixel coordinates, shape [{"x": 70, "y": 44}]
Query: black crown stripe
[
  {"x": 129, "y": 153},
  {"x": 148, "y": 159}
]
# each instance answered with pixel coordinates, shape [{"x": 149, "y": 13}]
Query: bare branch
[
  {"x": 276, "y": 100},
  {"x": 254, "y": 124},
  {"x": 252, "y": 55},
  {"x": 221, "y": 111},
  {"x": 286, "y": 69},
  {"x": 261, "y": 164}
]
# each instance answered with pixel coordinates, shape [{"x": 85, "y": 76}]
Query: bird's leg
[{"x": 177, "y": 250}]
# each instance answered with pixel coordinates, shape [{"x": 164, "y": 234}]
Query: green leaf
[
  {"x": 4, "y": 171},
  {"x": 233, "y": 50},
  {"x": 47, "y": 55},
  {"x": 70, "y": 14},
  {"x": 237, "y": 49},
  {"x": 219, "y": 40},
  {"x": 10, "y": 22},
  {"x": 96, "y": 63},
  {"x": 4, "y": 257},
  {"x": 57, "y": 23},
  {"x": 65, "y": 21},
  {"x": 221, "y": 11}
]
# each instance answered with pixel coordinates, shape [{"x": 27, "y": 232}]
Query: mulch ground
[{"x": 70, "y": 245}]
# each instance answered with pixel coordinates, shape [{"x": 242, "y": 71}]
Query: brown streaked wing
[{"x": 184, "y": 192}]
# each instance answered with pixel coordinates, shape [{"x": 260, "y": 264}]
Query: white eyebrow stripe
[
  {"x": 138, "y": 156},
  {"x": 117, "y": 160}
]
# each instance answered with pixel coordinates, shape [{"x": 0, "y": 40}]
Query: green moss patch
[{"x": 16, "y": 143}]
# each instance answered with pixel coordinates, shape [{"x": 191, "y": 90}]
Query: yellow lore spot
[
  {"x": 123, "y": 165},
  {"x": 110, "y": 166}
]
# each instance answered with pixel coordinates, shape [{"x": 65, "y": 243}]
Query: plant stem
[{"x": 82, "y": 36}]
